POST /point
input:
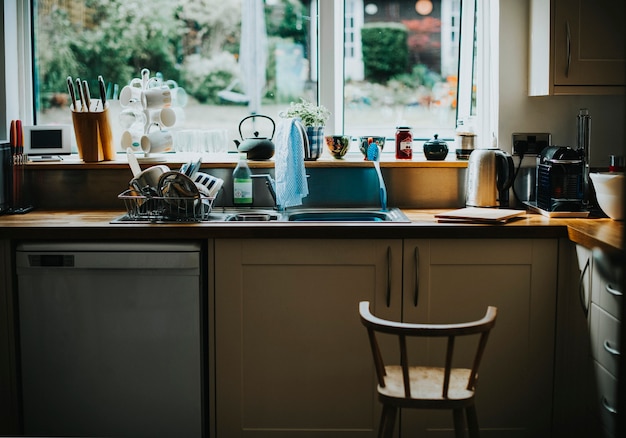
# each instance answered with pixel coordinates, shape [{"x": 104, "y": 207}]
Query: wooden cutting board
[{"x": 479, "y": 215}]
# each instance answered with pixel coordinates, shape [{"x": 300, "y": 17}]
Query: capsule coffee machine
[{"x": 561, "y": 179}]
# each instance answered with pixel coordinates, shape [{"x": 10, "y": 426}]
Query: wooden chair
[{"x": 427, "y": 387}]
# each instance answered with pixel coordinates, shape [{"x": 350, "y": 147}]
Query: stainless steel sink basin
[
  {"x": 346, "y": 215},
  {"x": 253, "y": 216}
]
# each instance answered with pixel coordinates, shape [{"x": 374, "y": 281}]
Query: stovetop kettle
[{"x": 490, "y": 174}]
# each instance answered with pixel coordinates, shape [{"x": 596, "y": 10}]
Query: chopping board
[{"x": 480, "y": 215}]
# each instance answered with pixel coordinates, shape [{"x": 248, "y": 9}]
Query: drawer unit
[
  {"x": 605, "y": 339},
  {"x": 606, "y": 295},
  {"x": 607, "y": 398}
]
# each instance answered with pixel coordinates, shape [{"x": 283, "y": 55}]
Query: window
[{"x": 203, "y": 47}]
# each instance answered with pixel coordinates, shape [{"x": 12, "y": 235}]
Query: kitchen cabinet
[
  {"x": 604, "y": 333},
  {"x": 292, "y": 358},
  {"x": 456, "y": 280},
  {"x": 577, "y": 47},
  {"x": 588, "y": 348},
  {"x": 9, "y": 405}
]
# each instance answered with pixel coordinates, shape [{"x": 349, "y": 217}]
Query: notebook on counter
[{"x": 480, "y": 215}]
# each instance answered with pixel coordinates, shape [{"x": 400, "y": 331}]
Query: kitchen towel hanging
[{"x": 291, "y": 183}]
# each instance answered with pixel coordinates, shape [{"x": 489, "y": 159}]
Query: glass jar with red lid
[{"x": 404, "y": 143}]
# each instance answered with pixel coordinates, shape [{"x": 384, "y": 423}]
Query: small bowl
[
  {"x": 610, "y": 193},
  {"x": 337, "y": 145},
  {"x": 364, "y": 142}
]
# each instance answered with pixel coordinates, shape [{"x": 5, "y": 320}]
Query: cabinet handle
[
  {"x": 388, "y": 276},
  {"x": 416, "y": 291},
  {"x": 613, "y": 291},
  {"x": 607, "y": 406},
  {"x": 581, "y": 289},
  {"x": 569, "y": 48},
  {"x": 613, "y": 351}
]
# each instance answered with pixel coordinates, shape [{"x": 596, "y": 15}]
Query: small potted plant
[{"x": 314, "y": 118}]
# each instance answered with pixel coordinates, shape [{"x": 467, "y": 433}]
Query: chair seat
[{"x": 426, "y": 387}]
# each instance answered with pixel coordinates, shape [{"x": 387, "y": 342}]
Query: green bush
[{"x": 385, "y": 50}]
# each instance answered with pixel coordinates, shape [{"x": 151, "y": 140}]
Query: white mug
[
  {"x": 157, "y": 142},
  {"x": 156, "y": 97},
  {"x": 131, "y": 93},
  {"x": 131, "y": 139},
  {"x": 163, "y": 117}
]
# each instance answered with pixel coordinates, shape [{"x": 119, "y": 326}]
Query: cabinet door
[
  {"x": 589, "y": 42},
  {"x": 457, "y": 280},
  {"x": 575, "y": 410},
  {"x": 292, "y": 358}
]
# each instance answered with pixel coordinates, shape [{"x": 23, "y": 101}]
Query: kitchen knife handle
[
  {"x": 581, "y": 289},
  {"x": 568, "y": 43},
  {"x": 388, "y": 298},
  {"x": 416, "y": 291}
]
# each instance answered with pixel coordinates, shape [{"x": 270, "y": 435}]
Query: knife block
[{"x": 93, "y": 135}]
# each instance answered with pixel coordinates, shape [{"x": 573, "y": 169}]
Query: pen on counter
[
  {"x": 86, "y": 95},
  {"x": 80, "y": 94},
  {"x": 103, "y": 91},
  {"x": 70, "y": 88}
]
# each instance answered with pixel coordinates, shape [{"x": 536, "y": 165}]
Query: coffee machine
[{"x": 561, "y": 179}]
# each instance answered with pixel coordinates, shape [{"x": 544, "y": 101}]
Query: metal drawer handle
[
  {"x": 569, "y": 48},
  {"x": 581, "y": 289},
  {"x": 607, "y": 406},
  {"x": 416, "y": 292},
  {"x": 613, "y": 291},
  {"x": 613, "y": 351},
  {"x": 388, "y": 276}
]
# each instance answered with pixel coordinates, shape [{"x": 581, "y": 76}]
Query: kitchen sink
[
  {"x": 230, "y": 214},
  {"x": 346, "y": 215},
  {"x": 253, "y": 216}
]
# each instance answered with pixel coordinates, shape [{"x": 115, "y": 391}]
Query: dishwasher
[{"x": 111, "y": 339}]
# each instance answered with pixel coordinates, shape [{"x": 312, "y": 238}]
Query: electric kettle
[{"x": 490, "y": 174}]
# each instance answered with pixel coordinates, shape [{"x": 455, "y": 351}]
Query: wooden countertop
[{"x": 96, "y": 225}]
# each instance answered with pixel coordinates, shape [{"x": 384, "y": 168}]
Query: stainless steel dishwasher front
[{"x": 111, "y": 339}]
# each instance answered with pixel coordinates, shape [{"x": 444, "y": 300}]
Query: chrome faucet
[{"x": 271, "y": 185}]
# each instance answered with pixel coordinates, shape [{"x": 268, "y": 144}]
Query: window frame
[{"x": 16, "y": 27}]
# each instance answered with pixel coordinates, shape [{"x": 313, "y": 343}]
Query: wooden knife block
[{"x": 93, "y": 135}]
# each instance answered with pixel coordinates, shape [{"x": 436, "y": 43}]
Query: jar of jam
[{"x": 404, "y": 143}]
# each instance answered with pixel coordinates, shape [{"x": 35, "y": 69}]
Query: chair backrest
[{"x": 480, "y": 327}]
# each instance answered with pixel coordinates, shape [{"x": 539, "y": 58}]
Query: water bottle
[{"x": 242, "y": 182}]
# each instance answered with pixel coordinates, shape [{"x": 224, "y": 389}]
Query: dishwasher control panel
[{"x": 51, "y": 260}]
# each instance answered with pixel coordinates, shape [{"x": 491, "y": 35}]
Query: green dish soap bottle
[{"x": 242, "y": 183}]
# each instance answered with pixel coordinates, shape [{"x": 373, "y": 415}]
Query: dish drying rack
[{"x": 166, "y": 209}]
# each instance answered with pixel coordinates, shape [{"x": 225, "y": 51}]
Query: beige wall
[{"x": 555, "y": 114}]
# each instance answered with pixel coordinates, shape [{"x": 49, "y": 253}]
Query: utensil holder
[{"x": 93, "y": 135}]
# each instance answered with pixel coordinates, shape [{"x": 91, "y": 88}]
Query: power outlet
[{"x": 530, "y": 143}]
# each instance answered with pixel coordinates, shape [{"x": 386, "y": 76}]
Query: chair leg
[
  {"x": 387, "y": 421},
  {"x": 472, "y": 422},
  {"x": 459, "y": 423}
]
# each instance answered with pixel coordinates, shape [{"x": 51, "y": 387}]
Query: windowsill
[{"x": 229, "y": 160}]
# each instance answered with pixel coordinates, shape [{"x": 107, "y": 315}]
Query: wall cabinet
[
  {"x": 292, "y": 358},
  {"x": 577, "y": 47}
]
